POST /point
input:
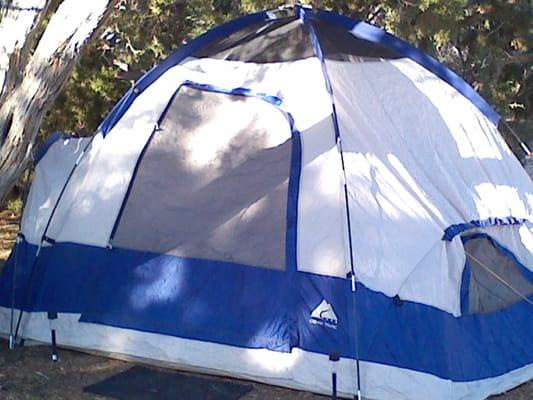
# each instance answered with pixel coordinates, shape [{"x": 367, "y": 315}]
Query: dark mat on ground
[{"x": 140, "y": 383}]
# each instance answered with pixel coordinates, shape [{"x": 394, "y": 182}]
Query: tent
[{"x": 289, "y": 186}]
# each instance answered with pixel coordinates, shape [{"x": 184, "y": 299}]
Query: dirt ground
[{"x": 28, "y": 374}]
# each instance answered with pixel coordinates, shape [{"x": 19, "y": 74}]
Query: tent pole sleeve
[
  {"x": 44, "y": 237},
  {"x": 306, "y": 14}
]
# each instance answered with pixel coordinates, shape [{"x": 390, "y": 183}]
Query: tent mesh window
[
  {"x": 213, "y": 182},
  {"x": 266, "y": 42},
  {"x": 341, "y": 45},
  {"x": 493, "y": 279}
]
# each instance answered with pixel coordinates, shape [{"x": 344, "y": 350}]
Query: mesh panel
[
  {"x": 339, "y": 44},
  {"x": 274, "y": 41},
  {"x": 485, "y": 292},
  {"x": 285, "y": 39},
  {"x": 213, "y": 182}
]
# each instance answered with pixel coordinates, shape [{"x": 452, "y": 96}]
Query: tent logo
[{"x": 324, "y": 315}]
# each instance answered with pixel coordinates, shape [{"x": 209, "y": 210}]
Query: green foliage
[
  {"x": 487, "y": 42},
  {"x": 15, "y": 205}
]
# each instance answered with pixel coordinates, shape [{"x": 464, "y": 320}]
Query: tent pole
[
  {"x": 13, "y": 288},
  {"x": 44, "y": 238},
  {"x": 523, "y": 146},
  {"x": 305, "y": 14},
  {"x": 19, "y": 239}
]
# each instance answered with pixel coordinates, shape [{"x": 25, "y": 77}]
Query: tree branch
[{"x": 70, "y": 28}]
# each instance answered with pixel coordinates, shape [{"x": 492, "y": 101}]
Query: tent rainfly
[{"x": 289, "y": 185}]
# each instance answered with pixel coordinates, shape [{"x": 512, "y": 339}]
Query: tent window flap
[{"x": 213, "y": 182}]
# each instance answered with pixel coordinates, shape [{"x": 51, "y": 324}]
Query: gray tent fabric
[
  {"x": 485, "y": 292},
  {"x": 210, "y": 186},
  {"x": 274, "y": 41},
  {"x": 341, "y": 45},
  {"x": 286, "y": 39}
]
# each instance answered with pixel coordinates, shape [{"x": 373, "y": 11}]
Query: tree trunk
[{"x": 33, "y": 70}]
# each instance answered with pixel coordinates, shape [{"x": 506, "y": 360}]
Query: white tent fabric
[
  {"x": 49, "y": 179},
  {"x": 103, "y": 188},
  {"x": 419, "y": 159},
  {"x": 387, "y": 180}
]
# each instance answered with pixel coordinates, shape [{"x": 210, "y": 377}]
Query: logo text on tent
[{"x": 324, "y": 315}]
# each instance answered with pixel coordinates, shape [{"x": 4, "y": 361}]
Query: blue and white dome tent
[{"x": 288, "y": 185}]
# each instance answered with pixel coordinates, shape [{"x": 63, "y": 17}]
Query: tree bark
[{"x": 33, "y": 70}]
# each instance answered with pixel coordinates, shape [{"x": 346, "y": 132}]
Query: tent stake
[
  {"x": 52, "y": 317},
  {"x": 334, "y": 358}
]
